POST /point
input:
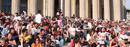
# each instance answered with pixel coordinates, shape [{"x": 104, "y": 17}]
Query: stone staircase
[{"x": 67, "y": 45}]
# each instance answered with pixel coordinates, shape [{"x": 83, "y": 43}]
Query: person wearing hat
[{"x": 86, "y": 28}]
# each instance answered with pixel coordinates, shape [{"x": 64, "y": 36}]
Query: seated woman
[
  {"x": 14, "y": 34},
  {"x": 77, "y": 42},
  {"x": 92, "y": 38},
  {"x": 71, "y": 31},
  {"x": 10, "y": 41},
  {"x": 58, "y": 34},
  {"x": 43, "y": 40},
  {"x": 36, "y": 43},
  {"x": 123, "y": 38},
  {"x": 102, "y": 37},
  {"x": 24, "y": 38},
  {"x": 83, "y": 42}
]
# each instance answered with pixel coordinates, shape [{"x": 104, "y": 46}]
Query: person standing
[
  {"x": 17, "y": 17},
  {"x": 38, "y": 17}
]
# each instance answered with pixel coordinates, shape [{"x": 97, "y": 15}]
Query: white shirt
[
  {"x": 88, "y": 37},
  {"x": 77, "y": 30},
  {"x": 102, "y": 34},
  {"x": 17, "y": 18},
  {"x": 72, "y": 30},
  {"x": 90, "y": 25},
  {"x": 35, "y": 30},
  {"x": 38, "y": 18},
  {"x": 117, "y": 29},
  {"x": 58, "y": 13},
  {"x": 121, "y": 37}
]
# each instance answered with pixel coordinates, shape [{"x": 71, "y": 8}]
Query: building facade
[
  {"x": 128, "y": 13},
  {"x": 103, "y": 9}
]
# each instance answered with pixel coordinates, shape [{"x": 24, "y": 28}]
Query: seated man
[
  {"x": 35, "y": 29},
  {"x": 24, "y": 38},
  {"x": 3, "y": 43},
  {"x": 5, "y": 30}
]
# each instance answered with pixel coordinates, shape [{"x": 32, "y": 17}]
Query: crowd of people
[{"x": 45, "y": 31}]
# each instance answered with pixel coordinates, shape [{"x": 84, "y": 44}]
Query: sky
[{"x": 127, "y": 3}]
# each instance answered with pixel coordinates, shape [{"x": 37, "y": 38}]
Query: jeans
[
  {"x": 59, "y": 37},
  {"x": 106, "y": 41},
  {"x": 72, "y": 37},
  {"x": 107, "y": 37},
  {"x": 85, "y": 32},
  {"x": 61, "y": 43},
  {"x": 24, "y": 46},
  {"x": 44, "y": 46},
  {"x": 76, "y": 22},
  {"x": 127, "y": 33}
]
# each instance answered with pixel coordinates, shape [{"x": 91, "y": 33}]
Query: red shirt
[{"x": 56, "y": 33}]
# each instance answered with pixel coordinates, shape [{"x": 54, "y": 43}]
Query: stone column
[
  {"x": 44, "y": 7},
  {"x": 0, "y": 4},
  {"x": 124, "y": 4},
  {"x": 123, "y": 9},
  {"x": 117, "y": 9},
  {"x": 28, "y": 8},
  {"x": 95, "y": 9},
  {"x": 129, "y": 13},
  {"x": 59, "y": 4},
  {"x": 67, "y": 8},
  {"x": 15, "y": 6},
  {"x": 73, "y": 4},
  {"x": 88, "y": 8},
  {"x": 32, "y": 6},
  {"x": 82, "y": 8},
  {"x": 100, "y": 4},
  {"x": 51, "y": 8},
  {"x": 107, "y": 9},
  {"x": 62, "y": 5}
]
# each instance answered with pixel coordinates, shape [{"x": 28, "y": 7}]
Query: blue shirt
[{"x": 5, "y": 31}]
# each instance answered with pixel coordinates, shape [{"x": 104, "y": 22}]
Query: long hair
[{"x": 34, "y": 40}]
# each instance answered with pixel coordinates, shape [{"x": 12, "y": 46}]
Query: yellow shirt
[{"x": 25, "y": 37}]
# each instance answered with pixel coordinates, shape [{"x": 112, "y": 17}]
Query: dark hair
[
  {"x": 7, "y": 24},
  {"x": 11, "y": 29},
  {"x": 35, "y": 23},
  {"x": 84, "y": 37},
  {"x": 39, "y": 11},
  {"x": 8, "y": 19},
  {"x": 76, "y": 40},
  {"x": 113, "y": 36},
  {"x": 35, "y": 39},
  {"x": 24, "y": 30},
  {"x": 9, "y": 33},
  {"x": 42, "y": 30},
  {"x": 16, "y": 13}
]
